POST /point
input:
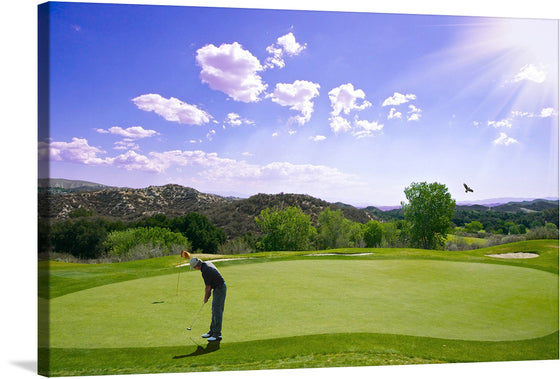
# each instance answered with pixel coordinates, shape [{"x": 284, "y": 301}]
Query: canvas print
[{"x": 236, "y": 189}]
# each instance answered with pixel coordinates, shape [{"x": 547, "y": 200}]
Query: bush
[
  {"x": 235, "y": 246},
  {"x": 542, "y": 232},
  {"x": 142, "y": 243}
]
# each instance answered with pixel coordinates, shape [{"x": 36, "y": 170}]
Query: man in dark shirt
[{"x": 214, "y": 283}]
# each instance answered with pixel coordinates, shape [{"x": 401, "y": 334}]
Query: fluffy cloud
[
  {"x": 506, "y": 122},
  {"x": 317, "y": 138},
  {"x": 544, "y": 113},
  {"x": 364, "y": 128},
  {"x": 398, "y": 98},
  {"x": 414, "y": 113},
  {"x": 359, "y": 129},
  {"x": 76, "y": 151},
  {"x": 233, "y": 119},
  {"x": 209, "y": 169},
  {"x": 344, "y": 99},
  {"x": 503, "y": 139},
  {"x": 134, "y": 132},
  {"x": 530, "y": 72},
  {"x": 298, "y": 96},
  {"x": 339, "y": 124},
  {"x": 126, "y": 144},
  {"x": 172, "y": 109},
  {"x": 285, "y": 45},
  {"x": 393, "y": 113},
  {"x": 232, "y": 70}
]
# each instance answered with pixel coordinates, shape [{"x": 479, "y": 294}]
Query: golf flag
[{"x": 185, "y": 254}]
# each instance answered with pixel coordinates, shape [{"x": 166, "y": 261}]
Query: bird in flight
[{"x": 467, "y": 188}]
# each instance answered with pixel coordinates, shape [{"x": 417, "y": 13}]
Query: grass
[{"x": 289, "y": 310}]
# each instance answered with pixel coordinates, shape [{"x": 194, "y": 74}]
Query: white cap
[{"x": 195, "y": 262}]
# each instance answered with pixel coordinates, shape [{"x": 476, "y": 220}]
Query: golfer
[{"x": 214, "y": 283}]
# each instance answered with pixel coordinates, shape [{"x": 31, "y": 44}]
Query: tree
[
  {"x": 429, "y": 212},
  {"x": 204, "y": 236},
  {"x": 473, "y": 227},
  {"x": 288, "y": 229},
  {"x": 334, "y": 230},
  {"x": 373, "y": 233}
]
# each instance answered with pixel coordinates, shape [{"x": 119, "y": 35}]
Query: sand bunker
[{"x": 514, "y": 255}]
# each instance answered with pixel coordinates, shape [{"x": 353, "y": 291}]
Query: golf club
[{"x": 195, "y": 317}]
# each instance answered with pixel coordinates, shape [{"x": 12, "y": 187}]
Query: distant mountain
[
  {"x": 59, "y": 197},
  {"x": 65, "y": 185},
  {"x": 235, "y": 216},
  {"x": 503, "y": 200}
]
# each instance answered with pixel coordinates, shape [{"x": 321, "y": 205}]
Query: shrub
[
  {"x": 542, "y": 232},
  {"x": 235, "y": 246},
  {"x": 142, "y": 243}
]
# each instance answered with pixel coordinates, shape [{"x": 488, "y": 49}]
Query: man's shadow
[{"x": 211, "y": 347}]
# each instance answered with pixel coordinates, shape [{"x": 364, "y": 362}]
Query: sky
[{"x": 344, "y": 106}]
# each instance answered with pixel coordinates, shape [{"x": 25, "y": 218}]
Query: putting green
[{"x": 456, "y": 300}]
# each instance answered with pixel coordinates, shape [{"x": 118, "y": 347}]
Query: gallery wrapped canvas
[{"x": 254, "y": 189}]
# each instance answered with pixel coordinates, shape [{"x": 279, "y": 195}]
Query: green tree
[
  {"x": 429, "y": 212},
  {"x": 373, "y": 233},
  {"x": 473, "y": 227},
  {"x": 82, "y": 238},
  {"x": 204, "y": 236},
  {"x": 288, "y": 229},
  {"x": 334, "y": 229}
]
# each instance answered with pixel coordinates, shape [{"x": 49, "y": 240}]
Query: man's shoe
[
  {"x": 206, "y": 335},
  {"x": 212, "y": 339}
]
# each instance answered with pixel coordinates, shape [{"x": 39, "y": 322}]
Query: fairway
[{"x": 311, "y": 296}]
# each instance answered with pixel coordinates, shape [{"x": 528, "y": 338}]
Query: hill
[
  {"x": 59, "y": 197},
  {"x": 65, "y": 185},
  {"x": 235, "y": 216}
]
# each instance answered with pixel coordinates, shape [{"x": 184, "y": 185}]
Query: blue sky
[{"x": 344, "y": 106}]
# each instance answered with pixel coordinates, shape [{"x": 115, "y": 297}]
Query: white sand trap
[{"x": 514, "y": 255}]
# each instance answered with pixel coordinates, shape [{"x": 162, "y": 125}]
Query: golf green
[{"x": 429, "y": 298}]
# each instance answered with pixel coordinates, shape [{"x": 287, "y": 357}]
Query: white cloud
[
  {"x": 503, "y": 139},
  {"x": 344, "y": 99},
  {"x": 532, "y": 73},
  {"x": 77, "y": 151},
  {"x": 134, "y": 132},
  {"x": 339, "y": 124},
  {"x": 414, "y": 113},
  {"x": 134, "y": 161},
  {"x": 286, "y": 44},
  {"x": 544, "y": 113},
  {"x": 172, "y": 109},
  {"x": 364, "y": 128},
  {"x": 317, "y": 138},
  {"x": 232, "y": 70},
  {"x": 398, "y": 98},
  {"x": 298, "y": 96},
  {"x": 547, "y": 112},
  {"x": 126, "y": 144},
  {"x": 209, "y": 170},
  {"x": 233, "y": 119},
  {"x": 393, "y": 113},
  {"x": 210, "y": 135},
  {"x": 506, "y": 122}
]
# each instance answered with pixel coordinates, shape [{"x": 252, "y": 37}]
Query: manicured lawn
[{"x": 288, "y": 310}]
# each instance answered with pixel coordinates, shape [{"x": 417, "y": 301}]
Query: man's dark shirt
[{"x": 211, "y": 275}]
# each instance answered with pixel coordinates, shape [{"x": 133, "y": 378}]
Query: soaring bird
[{"x": 467, "y": 188}]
